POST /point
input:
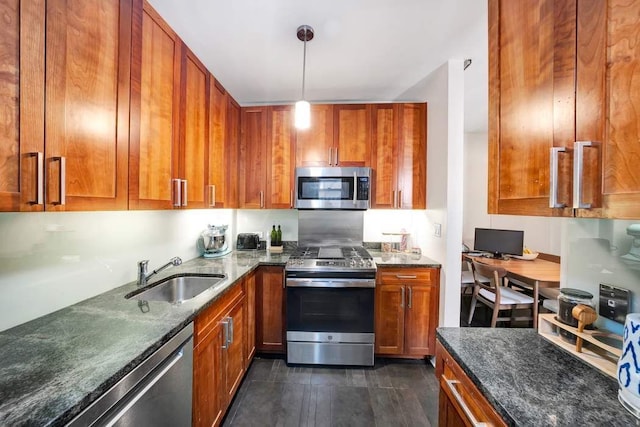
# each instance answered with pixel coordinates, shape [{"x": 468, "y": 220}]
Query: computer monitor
[{"x": 499, "y": 242}]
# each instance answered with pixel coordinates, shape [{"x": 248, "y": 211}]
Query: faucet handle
[
  {"x": 142, "y": 265},
  {"x": 176, "y": 260}
]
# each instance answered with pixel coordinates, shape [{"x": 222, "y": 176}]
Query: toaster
[{"x": 247, "y": 241}]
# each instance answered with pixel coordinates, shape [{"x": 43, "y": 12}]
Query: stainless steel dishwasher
[{"x": 158, "y": 392}]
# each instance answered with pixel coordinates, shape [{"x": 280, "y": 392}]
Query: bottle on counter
[
  {"x": 274, "y": 236},
  {"x": 279, "y": 236}
]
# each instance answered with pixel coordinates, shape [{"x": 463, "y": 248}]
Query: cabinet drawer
[
  {"x": 462, "y": 394},
  {"x": 406, "y": 275},
  {"x": 208, "y": 318}
]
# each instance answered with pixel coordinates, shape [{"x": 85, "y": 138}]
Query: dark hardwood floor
[{"x": 392, "y": 393}]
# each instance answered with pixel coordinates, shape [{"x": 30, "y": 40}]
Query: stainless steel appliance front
[{"x": 333, "y": 188}]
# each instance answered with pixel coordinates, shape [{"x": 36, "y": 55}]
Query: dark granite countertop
[
  {"x": 54, "y": 366},
  {"x": 398, "y": 259},
  {"x": 531, "y": 382}
]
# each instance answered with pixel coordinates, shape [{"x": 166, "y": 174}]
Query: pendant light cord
[{"x": 304, "y": 65}]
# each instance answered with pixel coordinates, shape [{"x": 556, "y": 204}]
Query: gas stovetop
[{"x": 331, "y": 259}]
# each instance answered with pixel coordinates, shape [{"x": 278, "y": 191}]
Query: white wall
[
  {"x": 541, "y": 234},
  {"x": 52, "y": 260},
  {"x": 445, "y": 98}
]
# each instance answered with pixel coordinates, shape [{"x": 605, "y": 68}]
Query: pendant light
[{"x": 303, "y": 108}]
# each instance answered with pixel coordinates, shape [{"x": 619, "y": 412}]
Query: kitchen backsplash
[
  {"x": 51, "y": 260},
  {"x": 596, "y": 251}
]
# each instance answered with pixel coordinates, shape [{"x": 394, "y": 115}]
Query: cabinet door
[
  {"x": 352, "y": 135},
  {"x": 194, "y": 129},
  {"x": 314, "y": 146},
  {"x": 412, "y": 157},
  {"x": 421, "y": 320},
  {"x": 281, "y": 151},
  {"x": 250, "y": 310},
  {"x": 233, "y": 143},
  {"x": 218, "y": 145},
  {"x": 235, "y": 358},
  {"x": 209, "y": 379},
  {"x": 270, "y": 309},
  {"x": 532, "y": 57},
  {"x": 22, "y": 99},
  {"x": 253, "y": 157},
  {"x": 87, "y": 104},
  {"x": 384, "y": 155},
  {"x": 389, "y": 326},
  {"x": 155, "y": 102},
  {"x": 608, "y": 105}
]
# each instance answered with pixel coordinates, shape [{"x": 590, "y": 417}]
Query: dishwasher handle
[{"x": 116, "y": 417}]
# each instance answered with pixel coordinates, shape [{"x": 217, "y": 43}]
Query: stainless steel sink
[{"x": 178, "y": 288}]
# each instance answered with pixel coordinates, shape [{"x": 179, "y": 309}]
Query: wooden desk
[{"x": 536, "y": 274}]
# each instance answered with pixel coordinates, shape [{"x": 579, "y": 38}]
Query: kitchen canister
[{"x": 629, "y": 365}]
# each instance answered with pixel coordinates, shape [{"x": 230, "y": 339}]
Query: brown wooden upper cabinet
[
  {"x": 267, "y": 150},
  {"x": 224, "y": 120},
  {"x": 65, "y": 107},
  {"x": 340, "y": 135},
  {"x": 399, "y": 155},
  {"x": 563, "y": 94},
  {"x": 170, "y": 108}
]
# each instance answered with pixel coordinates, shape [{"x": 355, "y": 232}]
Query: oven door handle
[{"x": 331, "y": 283}]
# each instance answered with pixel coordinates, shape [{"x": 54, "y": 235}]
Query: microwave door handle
[{"x": 355, "y": 188}]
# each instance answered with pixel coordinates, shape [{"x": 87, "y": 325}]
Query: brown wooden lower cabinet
[
  {"x": 250, "y": 310},
  {"x": 406, "y": 311},
  {"x": 219, "y": 356},
  {"x": 460, "y": 402},
  {"x": 270, "y": 309}
]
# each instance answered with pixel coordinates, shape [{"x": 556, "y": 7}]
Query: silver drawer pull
[
  {"x": 463, "y": 405},
  {"x": 402, "y": 297},
  {"x": 398, "y": 276}
]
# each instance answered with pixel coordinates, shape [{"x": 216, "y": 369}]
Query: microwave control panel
[
  {"x": 363, "y": 188},
  {"x": 614, "y": 302}
]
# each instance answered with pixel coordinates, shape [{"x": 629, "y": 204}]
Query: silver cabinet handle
[
  {"x": 212, "y": 196},
  {"x": 177, "y": 192},
  {"x": 39, "y": 199},
  {"x": 553, "y": 178},
  {"x": 399, "y": 276},
  {"x": 230, "y": 330},
  {"x": 400, "y": 199},
  {"x": 402, "y": 297},
  {"x": 578, "y": 172},
  {"x": 262, "y": 199},
  {"x": 144, "y": 391},
  {"x": 335, "y": 163},
  {"x": 184, "y": 192},
  {"x": 330, "y": 156},
  {"x": 410, "y": 296},
  {"x": 463, "y": 405},
  {"x": 225, "y": 329},
  {"x": 62, "y": 190},
  {"x": 291, "y": 199},
  {"x": 393, "y": 198}
]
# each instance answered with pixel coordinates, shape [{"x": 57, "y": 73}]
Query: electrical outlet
[{"x": 437, "y": 230}]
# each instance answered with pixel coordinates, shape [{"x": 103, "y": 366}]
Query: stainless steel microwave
[{"x": 333, "y": 188}]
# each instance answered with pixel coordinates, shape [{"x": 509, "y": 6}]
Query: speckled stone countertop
[
  {"x": 531, "y": 382},
  {"x": 396, "y": 259},
  {"x": 54, "y": 366}
]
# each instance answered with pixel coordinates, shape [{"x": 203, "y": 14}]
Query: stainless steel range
[{"x": 330, "y": 302}]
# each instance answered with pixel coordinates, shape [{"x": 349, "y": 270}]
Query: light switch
[{"x": 437, "y": 230}]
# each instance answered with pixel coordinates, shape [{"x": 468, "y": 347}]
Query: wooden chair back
[{"x": 497, "y": 275}]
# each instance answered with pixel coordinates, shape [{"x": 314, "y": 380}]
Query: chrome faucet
[{"x": 143, "y": 277}]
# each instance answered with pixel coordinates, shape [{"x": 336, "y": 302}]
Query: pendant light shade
[
  {"x": 303, "y": 108},
  {"x": 303, "y": 115}
]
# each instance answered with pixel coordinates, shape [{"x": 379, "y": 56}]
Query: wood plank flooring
[{"x": 392, "y": 393}]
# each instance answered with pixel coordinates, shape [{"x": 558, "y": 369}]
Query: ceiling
[{"x": 363, "y": 50}]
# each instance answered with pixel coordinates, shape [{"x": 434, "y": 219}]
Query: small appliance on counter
[
  {"x": 248, "y": 241},
  {"x": 213, "y": 241}
]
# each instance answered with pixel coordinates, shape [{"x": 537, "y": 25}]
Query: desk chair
[
  {"x": 497, "y": 295},
  {"x": 467, "y": 281}
]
